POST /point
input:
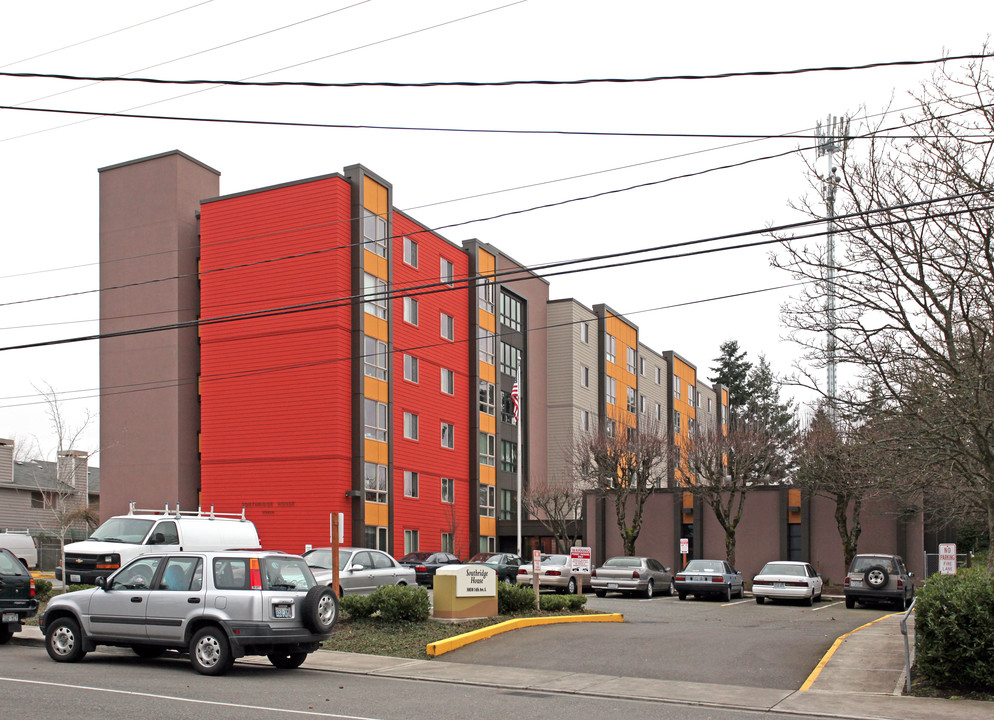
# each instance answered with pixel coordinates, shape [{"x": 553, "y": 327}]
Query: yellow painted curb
[
  {"x": 454, "y": 643},
  {"x": 835, "y": 646}
]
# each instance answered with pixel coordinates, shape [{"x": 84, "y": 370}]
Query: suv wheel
[
  {"x": 210, "y": 653},
  {"x": 319, "y": 610},
  {"x": 64, "y": 640},
  {"x": 287, "y": 661},
  {"x": 876, "y": 577},
  {"x": 5, "y": 634},
  {"x": 850, "y": 602}
]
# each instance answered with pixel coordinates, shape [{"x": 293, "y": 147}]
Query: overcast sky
[{"x": 48, "y": 203}]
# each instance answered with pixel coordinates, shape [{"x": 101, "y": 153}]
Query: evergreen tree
[
  {"x": 732, "y": 371},
  {"x": 764, "y": 408}
]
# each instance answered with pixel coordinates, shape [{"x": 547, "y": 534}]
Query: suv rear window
[
  {"x": 862, "y": 563},
  {"x": 286, "y": 574}
]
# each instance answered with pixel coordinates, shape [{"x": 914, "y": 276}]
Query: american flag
[{"x": 516, "y": 399}]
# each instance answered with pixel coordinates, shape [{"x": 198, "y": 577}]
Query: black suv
[
  {"x": 876, "y": 578},
  {"x": 17, "y": 595}
]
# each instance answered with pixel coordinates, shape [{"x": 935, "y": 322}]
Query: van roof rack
[{"x": 177, "y": 513}]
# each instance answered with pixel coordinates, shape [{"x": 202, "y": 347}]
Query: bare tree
[
  {"x": 720, "y": 467},
  {"x": 625, "y": 466},
  {"x": 914, "y": 282},
  {"x": 558, "y": 506}
]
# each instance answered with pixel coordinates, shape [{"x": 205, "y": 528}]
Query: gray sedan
[
  {"x": 360, "y": 570},
  {"x": 554, "y": 573},
  {"x": 634, "y": 575},
  {"x": 709, "y": 577}
]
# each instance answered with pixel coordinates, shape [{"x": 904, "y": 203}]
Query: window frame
[
  {"x": 374, "y": 291},
  {"x": 451, "y": 445},
  {"x": 410, "y": 252},
  {"x": 411, "y": 368},
  {"x": 450, "y": 375},
  {"x": 411, "y": 422},
  {"x": 447, "y": 326},
  {"x": 374, "y": 360},
  {"x": 411, "y": 310},
  {"x": 411, "y": 484},
  {"x": 378, "y": 431}
]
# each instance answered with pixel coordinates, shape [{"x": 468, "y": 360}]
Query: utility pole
[{"x": 831, "y": 138}]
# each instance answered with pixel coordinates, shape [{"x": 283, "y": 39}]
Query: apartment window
[
  {"x": 510, "y": 358},
  {"x": 506, "y": 407},
  {"x": 690, "y": 395},
  {"x": 448, "y": 544},
  {"x": 485, "y": 290},
  {"x": 508, "y": 456},
  {"x": 691, "y": 427},
  {"x": 410, "y": 541},
  {"x": 659, "y": 411},
  {"x": 659, "y": 376},
  {"x": 448, "y": 382},
  {"x": 710, "y": 405},
  {"x": 375, "y": 292},
  {"x": 488, "y": 398},
  {"x": 630, "y": 393},
  {"x": 374, "y": 233},
  {"x": 676, "y": 387},
  {"x": 488, "y": 496},
  {"x": 584, "y": 332},
  {"x": 609, "y": 426},
  {"x": 642, "y": 366},
  {"x": 410, "y": 252},
  {"x": 611, "y": 390},
  {"x": 508, "y": 505},
  {"x": 584, "y": 376},
  {"x": 375, "y": 477},
  {"x": 410, "y": 426},
  {"x": 488, "y": 449},
  {"x": 411, "y": 368},
  {"x": 642, "y": 404},
  {"x": 610, "y": 348},
  {"x": 375, "y": 419},
  {"x": 488, "y": 543},
  {"x": 375, "y": 537},
  {"x": 411, "y": 310},
  {"x": 374, "y": 357},
  {"x": 676, "y": 422},
  {"x": 445, "y": 271},
  {"x": 410, "y": 484},
  {"x": 631, "y": 356},
  {"x": 510, "y": 311},
  {"x": 585, "y": 421},
  {"x": 488, "y": 346},
  {"x": 448, "y": 435},
  {"x": 448, "y": 327},
  {"x": 448, "y": 490}
]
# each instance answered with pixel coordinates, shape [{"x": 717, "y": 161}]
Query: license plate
[
  {"x": 778, "y": 585},
  {"x": 612, "y": 585},
  {"x": 283, "y": 611},
  {"x": 75, "y": 579},
  {"x": 700, "y": 579},
  {"x": 9, "y": 617},
  {"x": 855, "y": 583}
]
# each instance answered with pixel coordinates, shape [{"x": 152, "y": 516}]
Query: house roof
[{"x": 40, "y": 475}]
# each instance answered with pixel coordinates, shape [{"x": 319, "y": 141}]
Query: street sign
[
  {"x": 947, "y": 558},
  {"x": 341, "y": 526},
  {"x": 684, "y": 546},
  {"x": 579, "y": 559},
  {"x": 536, "y": 561}
]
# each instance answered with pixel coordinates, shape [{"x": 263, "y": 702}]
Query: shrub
[
  {"x": 576, "y": 602},
  {"x": 514, "y": 598},
  {"x": 552, "y": 603},
  {"x": 396, "y": 603},
  {"x": 357, "y": 606},
  {"x": 954, "y": 628},
  {"x": 43, "y": 589}
]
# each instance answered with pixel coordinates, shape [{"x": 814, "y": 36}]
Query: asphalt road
[{"x": 708, "y": 641}]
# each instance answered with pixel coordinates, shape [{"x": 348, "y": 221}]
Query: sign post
[
  {"x": 947, "y": 558},
  {"x": 536, "y": 569},
  {"x": 337, "y": 537},
  {"x": 684, "y": 551}
]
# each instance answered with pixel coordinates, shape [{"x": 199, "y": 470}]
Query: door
[
  {"x": 359, "y": 579},
  {"x": 118, "y": 611},
  {"x": 177, "y": 599}
]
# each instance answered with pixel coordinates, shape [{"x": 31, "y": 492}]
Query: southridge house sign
[{"x": 475, "y": 581}]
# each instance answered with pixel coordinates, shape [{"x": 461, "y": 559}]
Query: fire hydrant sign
[
  {"x": 947, "y": 558},
  {"x": 579, "y": 559}
]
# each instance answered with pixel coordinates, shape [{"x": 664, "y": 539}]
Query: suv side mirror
[{"x": 101, "y": 582}]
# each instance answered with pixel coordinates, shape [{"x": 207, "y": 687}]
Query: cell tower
[{"x": 831, "y": 138}]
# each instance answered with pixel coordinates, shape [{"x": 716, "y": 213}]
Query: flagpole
[{"x": 520, "y": 384}]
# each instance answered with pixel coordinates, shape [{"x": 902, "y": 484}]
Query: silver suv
[
  {"x": 875, "y": 578},
  {"x": 217, "y": 606}
]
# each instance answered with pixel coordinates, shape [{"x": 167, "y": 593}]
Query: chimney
[
  {"x": 6, "y": 460},
  {"x": 73, "y": 471}
]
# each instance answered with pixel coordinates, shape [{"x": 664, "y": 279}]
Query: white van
[
  {"x": 124, "y": 537},
  {"x": 22, "y": 545}
]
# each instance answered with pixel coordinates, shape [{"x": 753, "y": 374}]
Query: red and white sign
[
  {"x": 684, "y": 546},
  {"x": 579, "y": 559},
  {"x": 947, "y": 558},
  {"x": 536, "y": 560}
]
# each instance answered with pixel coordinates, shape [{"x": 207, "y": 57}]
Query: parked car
[
  {"x": 23, "y": 545},
  {"x": 554, "y": 574},
  {"x": 634, "y": 575},
  {"x": 360, "y": 570},
  {"x": 787, "y": 580},
  {"x": 426, "y": 563},
  {"x": 506, "y": 565},
  {"x": 17, "y": 595},
  {"x": 217, "y": 606},
  {"x": 874, "y": 578},
  {"x": 709, "y": 577}
]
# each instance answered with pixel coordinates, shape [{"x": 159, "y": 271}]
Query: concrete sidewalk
[{"x": 862, "y": 678}]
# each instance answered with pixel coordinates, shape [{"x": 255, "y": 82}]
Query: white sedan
[{"x": 787, "y": 580}]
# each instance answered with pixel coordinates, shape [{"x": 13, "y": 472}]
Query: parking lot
[{"x": 775, "y": 645}]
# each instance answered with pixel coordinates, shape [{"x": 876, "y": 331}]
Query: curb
[
  {"x": 835, "y": 646},
  {"x": 453, "y": 643}
]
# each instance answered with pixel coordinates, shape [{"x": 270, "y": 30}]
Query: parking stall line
[
  {"x": 736, "y": 602},
  {"x": 826, "y": 607}
]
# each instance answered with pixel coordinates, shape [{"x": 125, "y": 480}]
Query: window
[
  {"x": 375, "y": 537},
  {"x": 585, "y": 421},
  {"x": 642, "y": 366},
  {"x": 510, "y": 311},
  {"x": 488, "y": 543},
  {"x": 508, "y": 505},
  {"x": 375, "y": 419},
  {"x": 690, "y": 395},
  {"x": 488, "y": 449},
  {"x": 676, "y": 387},
  {"x": 448, "y": 327},
  {"x": 506, "y": 407},
  {"x": 630, "y": 393},
  {"x": 691, "y": 427},
  {"x": 487, "y": 500},
  {"x": 410, "y": 426},
  {"x": 376, "y": 482},
  {"x": 676, "y": 422},
  {"x": 710, "y": 405},
  {"x": 410, "y": 484},
  {"x": 631, "y": 355},
  {"x": 488, "y": 346},
  {"x": 611, "y": 390},
  {"x": 642, "y": 404},
  {"x": 488, "y": 398},
  {"x": 585, "y": 332},
  {"x": 374, "y": 357},
  {"x": 610, "y": 348},
  {"x": 659, "y": 411},
  {"x": 510, "y": 358},
  {"x": 410, "y": 252},
  {"x": 448, "y": 382},
  {"x": 659, "y": 377},
  {"x": 411, "y": 310},
  {"x": 485, "y": 290},
  {"x": 375, "y": 292},
  {"x": 448, "y": 491},
  {"x": 410, "y": 541},
  {"x": 411, "y": 368},
  {"x": 374, "y": 233},
  {"x": 584, "y": 376},
  {"x": 609, "y": 426},
  {"x": 448, "y": 544},
  {"x": 446, "y": 271},
  {"x": 448, "y": 435},
  {"x": 508, "y": 456}
]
